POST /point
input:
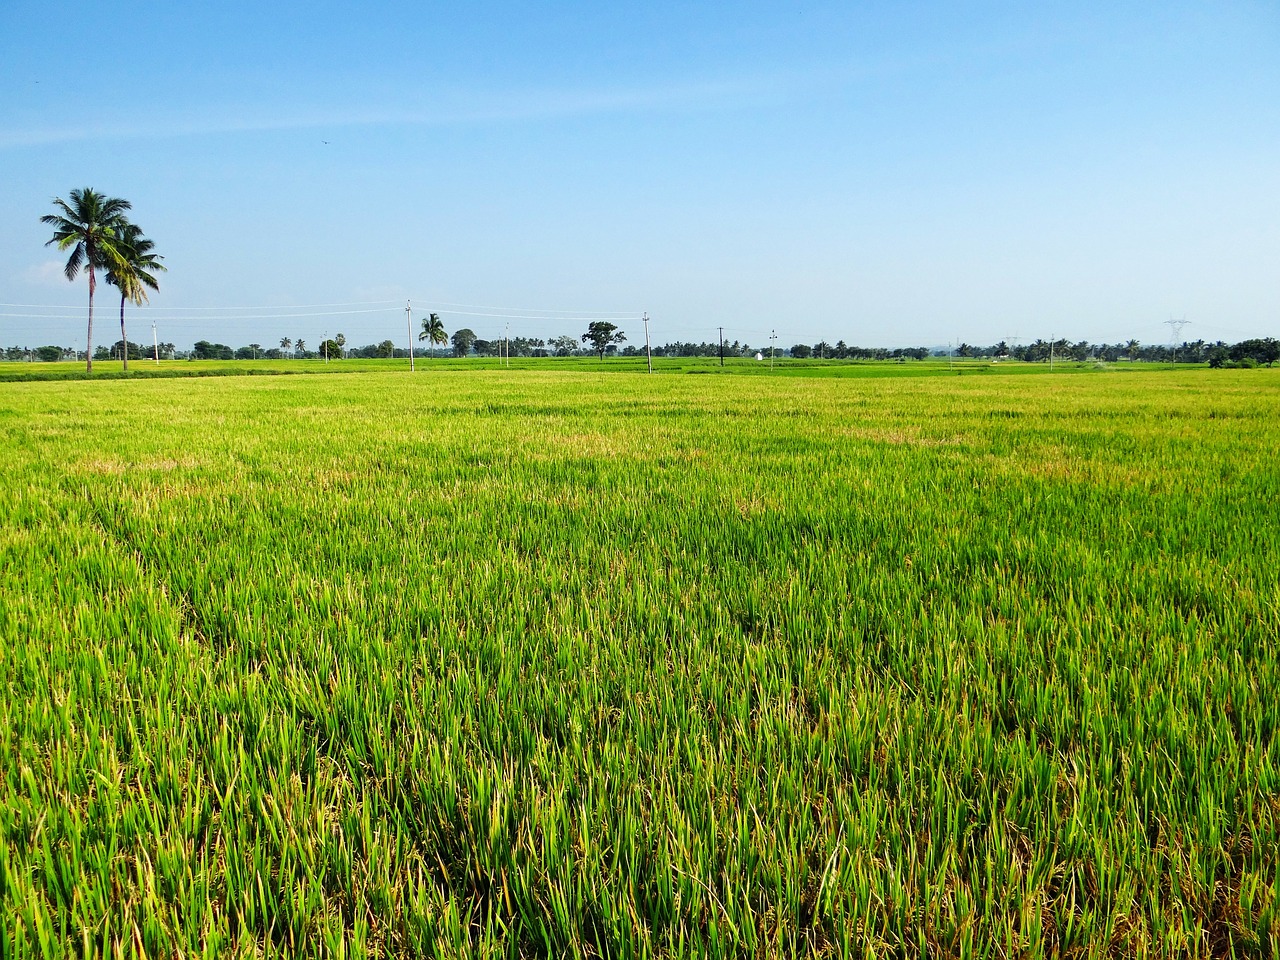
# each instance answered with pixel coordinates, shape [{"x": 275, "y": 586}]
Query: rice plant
[{"x": 557, "y": 663}]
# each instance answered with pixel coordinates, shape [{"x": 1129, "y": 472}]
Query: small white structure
[{"x": 759, "y": 355}]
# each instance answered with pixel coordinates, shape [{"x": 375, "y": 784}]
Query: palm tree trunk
[
  {"x": 124, "y": 341},
  {"x": 88, "y": 347}
]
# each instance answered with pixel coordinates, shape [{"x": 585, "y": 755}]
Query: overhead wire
[
  {"x": 299, "y": 306},
  {"x": 553, "y": 314},
  {"x": 165, "y": 315},
  {"x": 513, "y": 316}
]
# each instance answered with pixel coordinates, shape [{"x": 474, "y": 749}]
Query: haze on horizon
[{"x": 888, "y": 175}]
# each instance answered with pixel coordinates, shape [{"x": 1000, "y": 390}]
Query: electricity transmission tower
[{"x": 1176, "y": 326}]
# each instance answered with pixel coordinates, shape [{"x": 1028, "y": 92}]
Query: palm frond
[{"x": 74, "y": 261}]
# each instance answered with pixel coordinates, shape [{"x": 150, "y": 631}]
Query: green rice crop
[{"x": 553, "y": 663}]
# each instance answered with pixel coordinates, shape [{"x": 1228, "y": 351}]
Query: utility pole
[
  {"x": 722, "y": 346},
  {"x": 1051, "y": 353},
  {"x": 773, "y": 335},
  {"x": 647, "y": 354},
  {"x": 408, "y": 325},
  {"x": 326, "y": 346},
  {"x": 506, "y": 344},
  {"x": 155, "y": 342}
]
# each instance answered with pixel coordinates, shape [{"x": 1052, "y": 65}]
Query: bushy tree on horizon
[
  {"x": 602, "y": 334},
  {"x": 462, "y": 341}
]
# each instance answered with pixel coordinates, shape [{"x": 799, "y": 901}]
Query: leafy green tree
[
  {"x": 386, "y": 349},
  {"x": 1269, "y": 351},
  {"x": 1258, "y": 350},
  {"x": 462, "y": 341},
  {"x": 121, "y": 350},
  {"x": 563, "y": 345},
  {"x": 86, "y": 225},
  {"x": 204, "y": 350},
  {"x": 801, "y": 351},
  {"x": 433, "y": 332},
  {"x": 133, "y": 270},
  {"x": 602, "y": 335},
  {"x": 340, "y": 342}
]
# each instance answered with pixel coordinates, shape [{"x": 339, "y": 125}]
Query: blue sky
[{"x": 886, "y": 174}]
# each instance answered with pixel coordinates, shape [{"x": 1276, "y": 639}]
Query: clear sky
[{"x": 883, "y": 173}]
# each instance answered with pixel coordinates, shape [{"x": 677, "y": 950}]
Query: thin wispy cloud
[
  {"x": 448, "y": 108},
  {"x": 48, "y": 273}
]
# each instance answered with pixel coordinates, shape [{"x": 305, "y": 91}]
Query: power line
[
  {"x": 299, "y": 306},
  {"x": 545, "y": 319},
  {"x": 202, "y": 320},
  {"x": 174, "y": 314},
  {"x": 623, "y": 314}
]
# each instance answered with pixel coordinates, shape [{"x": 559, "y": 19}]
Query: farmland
[{"x": 550, "y": 662}]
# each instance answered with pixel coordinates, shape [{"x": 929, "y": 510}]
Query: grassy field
[
  {"x": 733, "y": 366},
  {"x": 557, "y": 663}
]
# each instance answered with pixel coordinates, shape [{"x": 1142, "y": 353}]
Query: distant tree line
[
  {"x": 465, "y": 343},
  {"x": 51, "y": 353},
  {"x": 841, "y": 351},
  {"x": 1250, "y": 352}
]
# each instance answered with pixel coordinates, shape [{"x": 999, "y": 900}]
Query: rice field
[{"x": 547, "y": 663}]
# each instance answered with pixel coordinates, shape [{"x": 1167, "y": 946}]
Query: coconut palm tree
[
  {"x": 300, "y": 347},
  {"x": 132, "y": 271},
  {"x": 285, "y": 344},
  {"x": 87, "y": 226},
  {"x": 433, "y": 332}
]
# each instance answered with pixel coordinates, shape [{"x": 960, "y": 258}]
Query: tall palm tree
[
  {"x": 433, "y": 332},
  {"x": 87, "y": 226},
  {"x": 285, "y": 344},
  {"x": 132, "y": 270},
  {"x": 341, "y": 343},
  {"x": 300, "y": 347}
]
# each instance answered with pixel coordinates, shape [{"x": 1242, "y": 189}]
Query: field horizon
[{"x": 147, "y": 369}]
